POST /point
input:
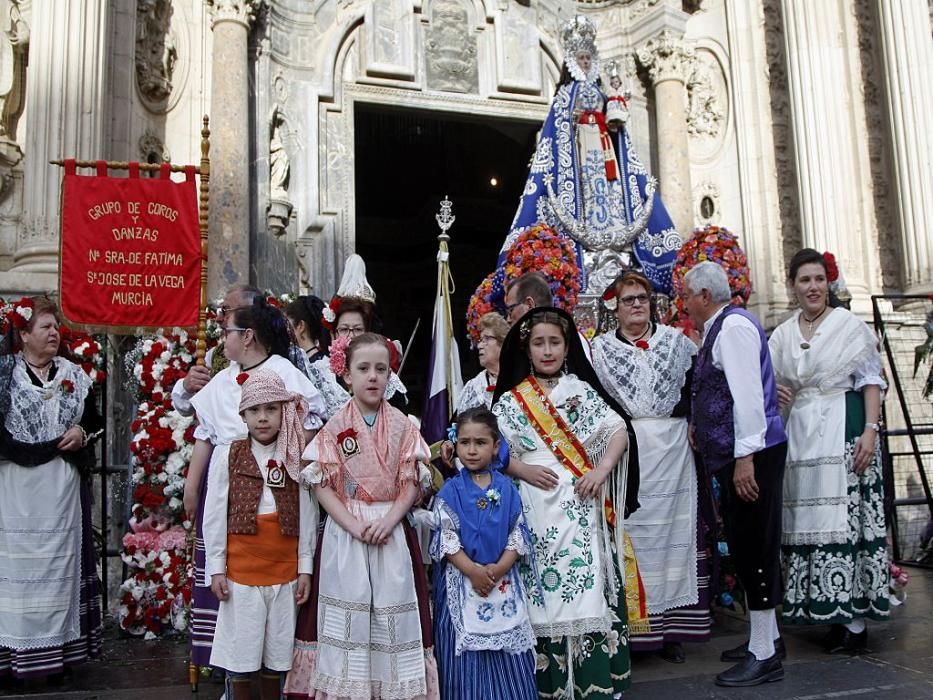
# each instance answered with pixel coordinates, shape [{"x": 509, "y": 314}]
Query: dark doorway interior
[{"x": 406, "y": 162}]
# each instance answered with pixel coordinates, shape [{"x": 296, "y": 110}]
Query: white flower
[
  {"x": 328, "y": 314},
  {"x": 25, "y": 312},
  {"x": 149, "y": 636}
]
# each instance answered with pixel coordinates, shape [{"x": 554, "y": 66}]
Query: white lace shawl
[
  {"x": 40, "y": 414},
  {"x": 648, "y": 383},
  {"x": 474, "y": 394}
]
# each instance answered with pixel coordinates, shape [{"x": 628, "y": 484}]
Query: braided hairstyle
[{"x": 268, "y": 323}]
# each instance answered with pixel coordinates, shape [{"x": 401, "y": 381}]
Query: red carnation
[
  {"x": 491, "y": 388},
  {"x": 609, "y": 293},
  {"x": 67, "y": 386},
  {"x": 642, "y": 344},
  {"x": 241, "y": 378},
  {"x": 832, "y": 270}
]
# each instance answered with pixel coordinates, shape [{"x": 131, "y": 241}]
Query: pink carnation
[
  {"x": 173, "y": 538},
  {"x": 338, "y": 355}
]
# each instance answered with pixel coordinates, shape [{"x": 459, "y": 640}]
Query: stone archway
[{"x": 452, "y": 56}]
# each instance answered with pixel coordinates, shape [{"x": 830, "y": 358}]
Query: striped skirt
[
  {"x": 490, "y": 675},
  {"x": 36, "y": 663},
  {"x": 204, "y": 603},
  {"x": 687, "y": 624}
]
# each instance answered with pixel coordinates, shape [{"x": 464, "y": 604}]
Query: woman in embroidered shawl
[
  {"x": 648, "y": 368},
  {"x": 828, "y": 371},
  {"x": 254, "y": 336},
  {"x": 366, "y": 631},
  {"x": 556, "y": 415},
  {"x": 51, "y": 618},
  {"x": 484, "y": 637}
]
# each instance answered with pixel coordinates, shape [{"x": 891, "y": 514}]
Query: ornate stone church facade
[{"x": 791, "y": 122}]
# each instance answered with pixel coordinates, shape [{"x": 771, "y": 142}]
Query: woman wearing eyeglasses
[
  {"x": 255, "y": 337},
  {"x": 647, "y": 367}
]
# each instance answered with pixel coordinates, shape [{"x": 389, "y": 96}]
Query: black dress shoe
[
  {"x": 738, "y": 653},
  {"x": 848, "y": 642},
  {"x": 674, "y": 652},
  {"x": 751, "y": 671}
]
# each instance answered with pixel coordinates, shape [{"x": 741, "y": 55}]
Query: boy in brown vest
[{"x": 259, "y": 533}]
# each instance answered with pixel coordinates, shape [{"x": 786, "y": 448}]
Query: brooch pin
[
  {"x": 348, "y": 443},
  {"x": 275, "y": 479},
  {"x": 482, "y": 503}
]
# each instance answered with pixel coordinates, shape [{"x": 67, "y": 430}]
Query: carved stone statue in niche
[
  {"x": 156, "y": 49},
  {"x": 280, "y": 206},
  {"x": 450, "y": 55}
]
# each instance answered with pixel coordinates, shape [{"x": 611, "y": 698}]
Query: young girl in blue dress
[{"x": 484, "y": 643}]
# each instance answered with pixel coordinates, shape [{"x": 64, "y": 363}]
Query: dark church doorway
[{"x": 406, "y": 162}]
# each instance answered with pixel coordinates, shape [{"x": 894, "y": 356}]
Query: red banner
[{"x": 130, "y": 249}]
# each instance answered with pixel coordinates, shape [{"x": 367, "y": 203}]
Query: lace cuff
[
  {"x": 445, "y": 538},
  {"x": 519, "y": 538}
]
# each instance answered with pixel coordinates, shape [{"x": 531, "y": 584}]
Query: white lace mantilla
[
  {"x": 474, "y": 394},
  {"x": 40, "y": 414},
  {"x": 648, "y": 383}
]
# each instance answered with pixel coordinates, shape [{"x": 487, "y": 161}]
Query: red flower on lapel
[
  {"x": 241, "y": 378},
  {"x": 642, "y": 344},
  {"x": 348, "y": 433}
]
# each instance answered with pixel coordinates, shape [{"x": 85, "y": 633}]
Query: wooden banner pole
[{"x": 204, "y": 195}]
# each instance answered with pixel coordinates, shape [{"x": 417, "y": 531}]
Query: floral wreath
[
  {"x": 15, "y": 314},
  {"x": 719, "y": 245},
  {"x": 538, "y": 248}
]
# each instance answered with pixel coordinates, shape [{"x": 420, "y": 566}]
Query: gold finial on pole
[
  {"x": 445, "y": 218},
  {"x": 204, "y": 195}
]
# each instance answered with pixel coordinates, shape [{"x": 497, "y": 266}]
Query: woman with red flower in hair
[
  {"x": 829, "y": 376},
  {"x": 647, "y": 367},
  {"x": 48, "y": 575},
  {"x": 255, "y": 336}
]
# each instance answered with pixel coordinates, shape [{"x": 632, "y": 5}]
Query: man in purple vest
[{"x": 738, "y": 431}]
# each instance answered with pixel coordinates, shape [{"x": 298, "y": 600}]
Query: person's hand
[
  {"x": 589, "y": 484},
  {"x": 864, "y": 450},
  {"x": 359, "y": 530},
  {"x": 219, "y": 587},
  {"x": 691, "y": 437},
  {"x": 377, "y": 531},
  {"x": 540, "y": 477},
  {"x": 197, "y": 377},
  {"x": 744, "y": 479},
  {"x": 481, "y": 580},
  {"x": 302, "y": 590},
  {"x": 447, "y": 454},
  {"x": 785, "y": 395},
  {"x": 190, "y": 499},
  {"x": 72, "y": 440}
]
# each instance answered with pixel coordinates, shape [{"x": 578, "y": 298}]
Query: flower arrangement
[
  {"x": 87, "y": 351},
  {"x": 157, "y": 593},
  {"x": 537, "y": 248},
  {"x": 15, "y": 314},
  {"x": 721, "y": 246}
]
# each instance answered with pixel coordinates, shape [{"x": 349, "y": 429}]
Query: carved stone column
[
  {"x": 825, "y": 105},
  {"x": 667, "y": 58},
  {"x": 229, "y": 222},
  {"x": 65, "y": 95},
  {"x": 908, "y": 72}
]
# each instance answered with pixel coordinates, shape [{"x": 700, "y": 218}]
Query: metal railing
[{"x": 913, "y": 431}]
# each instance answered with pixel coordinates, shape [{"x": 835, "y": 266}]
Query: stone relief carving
[
  {"x": 14, "y": 50},
  {"x": 152, "y": 150},
  {"x": 786, "y": 175},
  {"x": 667, "y": 57},
  {"x": 450, "y": 49},
  {"x": 156, "y": 49},
  {"x": 707, "y": 97}
]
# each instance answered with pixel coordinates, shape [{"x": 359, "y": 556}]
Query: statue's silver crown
[{"x": 578, "y": 34}]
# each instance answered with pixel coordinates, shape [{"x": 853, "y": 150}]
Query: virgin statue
[{"x": 586, "y": 181}]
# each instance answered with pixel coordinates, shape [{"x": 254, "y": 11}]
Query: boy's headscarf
[{"x": 266, "y": 386}]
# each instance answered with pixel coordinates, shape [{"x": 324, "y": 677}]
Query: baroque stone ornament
[
  {"x": 152, "y": 149},
  {"x": 706, "y": 97},
  {"x": 667, "y": 57},
  {"x": 242, "y": 11},
  {"x": 14, "y": 50},
  {"x": 450, "y": 55},
  {"x": 156, "y": 49},
  {"x": 707, "y": 200}
]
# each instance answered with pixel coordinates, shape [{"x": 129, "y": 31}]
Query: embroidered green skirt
[
  {"x": 834, "y": 583},
  {"x": 601, "y": 664}
]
